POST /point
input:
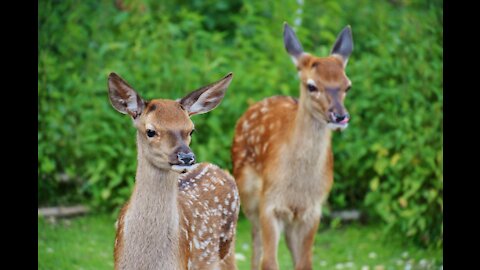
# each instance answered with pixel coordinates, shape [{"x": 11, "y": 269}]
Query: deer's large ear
[
  {"x": 123, "y": 98},
  {"x": 343, "y": 46},
  {"x": 206, "y": 98},
  {"x": 292, "y": 45}
]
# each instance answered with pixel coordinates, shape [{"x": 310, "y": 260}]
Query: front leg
[
  {"x": 300, "y": 238},
  {"x": 270, "y": 234}
]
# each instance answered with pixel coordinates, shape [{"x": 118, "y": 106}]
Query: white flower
[
  {"x": 349, "y": 264},
  {"x": 372, "y": 255},
  {"x": 423, "y": 263},
  {"x": 239, "y": 257}
]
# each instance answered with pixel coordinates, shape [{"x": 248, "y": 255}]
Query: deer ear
[
  {"x": 123, "y": 98},
  {"x": 206, "y": 98},
  {"x": 292, "y": 45},
  {"x": 343, "y": 46}
]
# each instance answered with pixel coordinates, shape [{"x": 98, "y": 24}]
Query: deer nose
[
  {"x": 340, "y": 118},
  {"x": 186, "y": 158}
]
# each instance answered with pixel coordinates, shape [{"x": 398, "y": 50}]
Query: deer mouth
[
  {"x": 336, "y": 122},
  {"x": 337, "y": 126},
  {"x": 182, "y": 168}
]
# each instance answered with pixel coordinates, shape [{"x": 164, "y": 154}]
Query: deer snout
[
  {"x": 186, "y": 158},
  {"x": 339, "y": 118}
]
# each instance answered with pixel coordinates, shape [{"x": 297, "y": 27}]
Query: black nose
[
  {"x": 186, "y": 158},
  {"x": 339, "y": 117}
]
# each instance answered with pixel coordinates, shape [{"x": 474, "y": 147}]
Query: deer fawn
[
  {"x": 181, "y": 215},
  {"x": 282, "y": 157}
]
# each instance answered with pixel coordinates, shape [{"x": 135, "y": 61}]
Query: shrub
[{"x": 388, "y": 162}]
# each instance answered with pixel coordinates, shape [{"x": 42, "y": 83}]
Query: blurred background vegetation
[{"x": 388, "y": 163}]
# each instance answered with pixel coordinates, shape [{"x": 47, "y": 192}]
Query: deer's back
[{"x": 260, "y": 131}]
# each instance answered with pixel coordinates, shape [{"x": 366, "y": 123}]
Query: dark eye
[
  {"x": 150, "y": 133},
  {"x": 191, "y": 132},
  {"x": 348, "y": 88},
  {"x": 311, "y": 87}
]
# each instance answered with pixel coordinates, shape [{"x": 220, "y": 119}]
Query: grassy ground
[{"x": 87, "y": 243}]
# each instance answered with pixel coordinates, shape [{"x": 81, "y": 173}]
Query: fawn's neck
[
  {"x": 152, "y": 223},
  {"x": 310, "y": 135}
]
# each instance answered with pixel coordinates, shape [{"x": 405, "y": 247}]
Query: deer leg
[
  {"x": 300, "y": 239},
  {"x": 228, "y": 262},
  {"x": 292, "y": 242},
  {"x": 256, "y": 246},
  {"x": 270, "y": 234}
]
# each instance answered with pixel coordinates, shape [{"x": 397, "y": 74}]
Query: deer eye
[
  {"x": 150, "y": 133},
  {"x": 311, "y": 87}
]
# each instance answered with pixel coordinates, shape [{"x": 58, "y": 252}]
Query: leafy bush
[{"x": 388, "y": 162}]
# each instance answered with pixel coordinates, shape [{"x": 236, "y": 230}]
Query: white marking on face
[
  {"x": 335, "y": 126},
  {"x": 311, "y": 82},
  {"x": 183, "y": 169},
  {"x": 149, "y": 126}
]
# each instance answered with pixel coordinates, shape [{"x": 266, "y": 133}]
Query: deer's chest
[{"x": 301, "y": 185}]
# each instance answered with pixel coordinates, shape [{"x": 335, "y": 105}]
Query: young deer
[
  {"x": 282, "y": 157},
  {"x": 181, "y": 215}
]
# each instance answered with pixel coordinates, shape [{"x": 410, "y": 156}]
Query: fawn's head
[
  {"x": 324, "y": 83},
  {"x": 164, "y": 127}
]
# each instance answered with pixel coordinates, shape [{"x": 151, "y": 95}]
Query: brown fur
[
  {"x": 118, "y": 248},
  {"x": 172, "y": 220},
  {"x": 283, "y": 162},
  {"x": 200, "y": 192}
]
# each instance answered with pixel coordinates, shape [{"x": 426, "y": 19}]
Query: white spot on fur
[
  {"x": 261, "y": 129},
  {"x": 196, "y": 243},
  {"x": 245, "y": 125},
  {"x": 264, "y": 148}
]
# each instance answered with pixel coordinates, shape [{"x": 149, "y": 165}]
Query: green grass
[{"x": 87, "y": 243}]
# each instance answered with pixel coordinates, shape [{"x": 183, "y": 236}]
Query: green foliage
[{"x": 389, "y": 162}]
